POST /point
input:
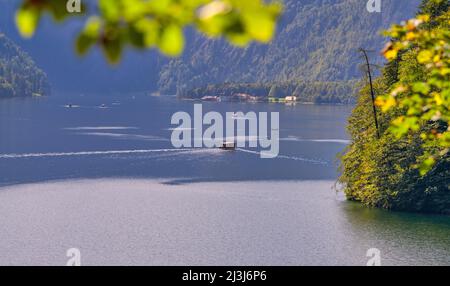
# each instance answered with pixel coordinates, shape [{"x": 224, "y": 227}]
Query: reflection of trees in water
[{"x": 403, "y": 238}]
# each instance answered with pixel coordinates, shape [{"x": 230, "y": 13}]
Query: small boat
[
  {"x": 228, "y": 146},
  {"x": 103, "y": 106},
  {"x": 211, "y": 98}
]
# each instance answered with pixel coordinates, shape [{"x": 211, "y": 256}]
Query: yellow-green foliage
[
  {"x": 408, "y": 168},
  {"x": 159, "y": 24},
  {"x": 424, "y": 87}
]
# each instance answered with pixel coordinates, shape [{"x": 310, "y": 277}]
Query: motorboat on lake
[{"x": 228, "y": 146}]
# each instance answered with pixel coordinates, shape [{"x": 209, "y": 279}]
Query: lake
[{"x": 106, "y": 180}]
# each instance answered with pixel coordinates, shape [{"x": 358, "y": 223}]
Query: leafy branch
[
  {"x": 425, "y": 101},
  {"x": 146, "y": 24}
]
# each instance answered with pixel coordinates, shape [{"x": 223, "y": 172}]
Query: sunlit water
[{"x": 108, "y": 181}]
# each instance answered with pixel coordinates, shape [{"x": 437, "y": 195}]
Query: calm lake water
[{"x": 108, "y": 182}]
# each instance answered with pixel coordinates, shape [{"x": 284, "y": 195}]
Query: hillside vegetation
[
  {"x": 308, "y": 92},
  {"x": 317, "y": 40},
  {"x": 406, "y": 167},
  {"x": 19, "y": 75}
]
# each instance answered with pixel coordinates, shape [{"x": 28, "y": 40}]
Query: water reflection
[{"x": 403, "y": 238}]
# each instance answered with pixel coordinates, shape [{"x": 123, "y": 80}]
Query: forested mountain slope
[
  {"x": 317, "y": 41},
  {"x": 403, "y": 161},
  {"x": 19, "y": 75},
  {"x": 52, "y": 48}
]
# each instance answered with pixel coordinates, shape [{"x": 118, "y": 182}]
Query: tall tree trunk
[{"x": 372, "y": 92}]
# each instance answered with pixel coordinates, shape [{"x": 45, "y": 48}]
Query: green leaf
[
  {"x": 89, "y": 36},
  {"x": 426, "y": 166},
  {"x": 171, "y": 42},
  {"x": 113, "y": 50},
  {"x": 261, "y": 26},
  {"x": 110, "y": 9},
  {"x": 425, "y": 56},
  {"x": 421, "y": 87},
  {"x": 150, "y": 30},
  {"x": 93, "y": 27},
  {"x": 27, "y": 20},
  {"x": 84, "y": 43}
]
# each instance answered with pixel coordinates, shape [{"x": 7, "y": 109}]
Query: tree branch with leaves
[
  {"x": 145, "y": 24},
  {"x": 424, "y": 99}
]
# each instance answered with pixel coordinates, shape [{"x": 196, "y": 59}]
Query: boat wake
[
  {"x": 174, "y": 151},
  {"x": 88, "y": 128},
  {"x": 124, "y": 136},
  {"x": 313, "y": 161},
  {"x": 90, "y": 153},
  {"x": 296, "y": 139}
]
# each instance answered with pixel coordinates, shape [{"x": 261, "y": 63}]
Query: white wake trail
[
  {"x": 286, "y": 157},
  {"x": 191, "y": 151},
  {"x": 88, "y": 153},
  {"x": 296, "y": 139}
]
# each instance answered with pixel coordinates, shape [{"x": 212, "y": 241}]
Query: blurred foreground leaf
[{"x": 115, "y": 25}]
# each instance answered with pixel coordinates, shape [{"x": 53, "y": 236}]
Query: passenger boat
[{"x": 228, "y": 146}]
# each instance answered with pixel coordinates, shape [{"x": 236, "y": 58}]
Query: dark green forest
[
  {"x": 383, "y": 171},
  {"x": 307, "y": 92},
  {"x": 317, "y": 40},
  {"x": 19, "y": 75}
]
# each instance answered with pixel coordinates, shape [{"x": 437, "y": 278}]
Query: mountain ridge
[{"x": 317, "y": 40}]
